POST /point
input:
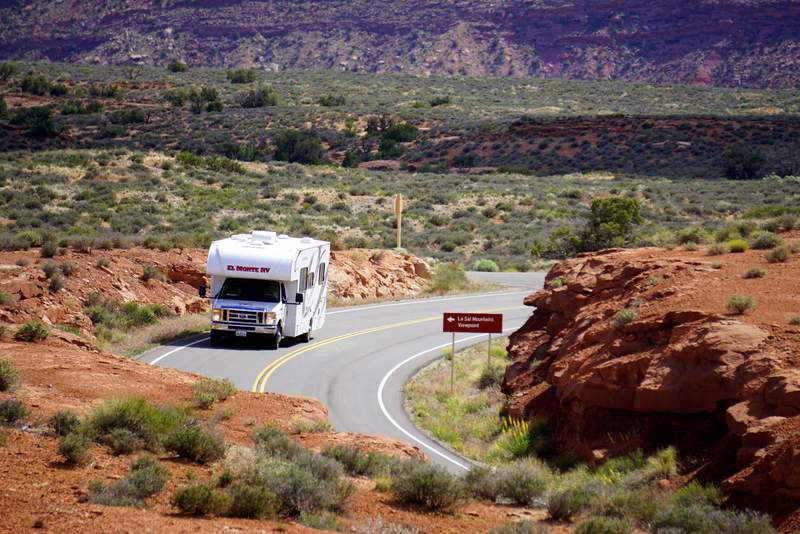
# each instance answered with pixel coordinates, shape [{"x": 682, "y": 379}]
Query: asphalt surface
[{"x": 358, "y": 363}]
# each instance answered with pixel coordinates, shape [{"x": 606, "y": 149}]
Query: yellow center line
[{"x": 260, "y": 383}]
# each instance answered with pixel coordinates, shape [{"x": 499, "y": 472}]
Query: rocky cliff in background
[
  {"x": 674, "y": 369},
  {"x": 747, "y": 43}
]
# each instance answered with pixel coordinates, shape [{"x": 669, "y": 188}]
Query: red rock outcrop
[
  {"x": 364, "y": 274},
  {"x": 676, "y": 370}
]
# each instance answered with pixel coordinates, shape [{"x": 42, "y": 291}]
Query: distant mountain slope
[{"x": 747, "y": 43}]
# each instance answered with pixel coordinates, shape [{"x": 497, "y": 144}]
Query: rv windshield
[{"x": 256, "y": 290}]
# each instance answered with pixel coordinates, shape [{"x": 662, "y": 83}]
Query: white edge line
[
  {"x": 396, "y": 424},
  {"x": 428, "y": 301},
  {"x": 176, "y": 349}
]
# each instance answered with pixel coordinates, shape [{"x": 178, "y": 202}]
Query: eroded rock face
[
  {"x": 365, "y": 274},
  {"x": 720, "y": 387}
]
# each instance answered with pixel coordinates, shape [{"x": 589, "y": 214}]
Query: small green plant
[
  {"x": 74, "y": 447},
  {"x": 146, "y": 478},
  {"x": 56, "y": 283},
  {"x": 795, "y": 321},
  {"x": 241, "y": 76},
  {"x": 779, "y": 254},
  {"x": 491, "y": 376},
  {"x": 64, "y": 422},
  {"x": 208, "y": 391},
  {"x": 563, "y": 505},
  {"x": 624, "y": 317},
  {"x": 49, "y": 249},
  {"x": 32, "y": 331},
  {"x": 765, "y": 240},
  {"x": 176, "y": 66},
  {"x": 754, "y": 272},
  {"x": 148, "y": 422},
  {"x": 201, "y": 499},
  {"x": 6, "y": 299},
  {"x": 102, "y": 262},
  {"x": 428, "y": 485},
  {"x": 151, "y": 272},
  {"x": 12, "y": 410},
  {"x": 521, "y": 527},
  {"x": 486, "y": 265},
  {"x": 653, "y": 281},
  {"x": 558, "y": 282},
  {"x": 358, "y": 463},
  {"x": 717, "y": 265},
  {"x": 196, "y": 443},
  {"x": 738, "y": 245},
  {"x": 448, "y": 277},
  {"x": 306, "y": 426},
  {"x": 9, "y": 376},
  {"x": 252, "y": 501},
  {"x": 327, "y": 522},
  {"x": 121, "y": 441},
  {"x": 740, "y": 304},
  {"x": 602, "y": 525},
  {"x": 515, "y": 437},
  {"x": 68, "y": 268},
  {"x": 717, "y": 249}
]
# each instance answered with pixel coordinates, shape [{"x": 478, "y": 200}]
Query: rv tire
[
  {"x": 275, "y": 341},
  {"x": 215, "y": 337}
]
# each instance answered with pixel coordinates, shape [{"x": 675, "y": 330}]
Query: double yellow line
[{"x": 260, "y": 383}]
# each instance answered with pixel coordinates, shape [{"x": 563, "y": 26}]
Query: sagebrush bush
[
  {"x": 523, "y": 482},
  {"x": 448, "y": 277},
  {"x": 148, "y": 422},
  {"x": 273, "y": 441},
  {"x": 121, "y": 441},
  {"x": 738, "y": 245},
  {"x": 717, "y": 249},
  {"x": 68, "y": 268},
  {"x": 32, "y": 331},
  {"x": 485, "y": 265},
  {"x": 602, "y": 525},
  {"x": 754, "y": 272},
  {"x": 307, "y": 426},
  {"x": 491, "y": 376},
  {"x": 428, "y": 485},
  {"x": 521, "y": 527},
  {"x": 74, "y": 447},
  {"x": 146, "y": 478},
  {"x": 252, "y": 501},
  {"x": 795, "y": 321},
  {"x": 201, "y": 499},
  {"x": 196, "y": 443},
  {"x": 740, "y": 304},
  {"x": 695, "y": 493},
  {"x": 207, "y": 391},
  {"x": 326, "y": 522},
  {"x": 765, "y": 240},
  {"x": 779, "y": 254},
  {"x": 624, "y": 317},
  {"x": 564, "y": 504},
  {"x": 64, "y": 422},
  {"x": 151, "y": 272},
  {"x": 9, "y": 376},
  {"x": 12, "y": 410},
  {"x": 49, "y": 249},
  {"x": 357, "y": 463}
]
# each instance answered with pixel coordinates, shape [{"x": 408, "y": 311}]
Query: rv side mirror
[
  {"x": 202, "y": 291},
  {"x": 298, "y": 298}
]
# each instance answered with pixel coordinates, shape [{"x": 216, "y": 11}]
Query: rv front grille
[{"x": 236, "y": 316}]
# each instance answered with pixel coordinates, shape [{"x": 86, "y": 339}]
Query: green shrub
[
  {"x": 486, "y": 265},
  {"x": 146, "y": 478},
  {"x": 448, "y": 277},
  {"x": 241, "y": 76},
  {"x": 56, "y": 283},
  {"x": 754, "y": 272},
  {"x": 743, "y": 162},
  {"x": 306, "y": 426},
  {"x": 201, "y": 499},
  {"x": 251, "y": 501},
  {"x": 795, "y": 321},
  {"x": 273, "y": 441},
  {"x": 611, "y": 222},
  {"x": 357, "y": 463},
  {"x": 32, "y": 331},
  {"x": 563, "y": 505},
  {"x": 738, "y": 245},
  {"x": 686, "y": 519},
  {"x": 49, "y": 249},
  {"x": 6, "y": 299},
  {"x": 779, "y": 254},
  {"x": 176, "y": 65},
  {"x": 8, "y": 70},
  {"x": 740, "y": 304},
  {"x": 69, "y": 268},
  {"x": 623, "y": 317},
  {"x": 326, "y": 522},
  {"x": 717, "y": 249},
  {"x": 196, "y": 443},
  {"x": 602, "y": 525},
  {"x": 523, "y": 482},
  {"x": 521, "y": 527},
  {"x": 208, "y": 391},
  {"x": 151, "y": 272},
  {"x": 641, "y": 505},
  {"x": 9, "y": 376},
  {"x": 259, "y": 97},
  {"x": 121, "y": 441},
  {"x": 427, "y": 485},
  {"x": 332, "y": 101},
  {"x": 297, "y": 146},
  {"x": 12, "y": 410},
  {"x": 148, "y": 422},
  {"x": 64, "y": 422},
  {"x": 74, "y": 447},
  {"x": 765, "y": 240},
  {"x": 695, "y": 493},
  {"x": 102, "y": 262},
  {"x": 491, "y": 376}
]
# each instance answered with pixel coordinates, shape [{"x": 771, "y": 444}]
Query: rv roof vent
[
  {"x": 241, "y": 237},
  {"x": 283, "y": 236},
  {"x": 264, "y": 237},
  {"x": 306, "y": 240}
]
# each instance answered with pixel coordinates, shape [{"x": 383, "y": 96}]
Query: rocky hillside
[
  {"x": 751, "y": 43},
  {"x": 639, "y": 349}
]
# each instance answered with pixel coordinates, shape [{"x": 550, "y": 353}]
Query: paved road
[{"x": 358, "y": 363}]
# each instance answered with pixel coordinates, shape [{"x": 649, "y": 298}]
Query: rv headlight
[
  {"x": 269, "y": 318},
  {"x": 216, "y": 315}
]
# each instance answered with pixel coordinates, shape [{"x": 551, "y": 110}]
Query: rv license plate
[{"x": 241, "y": 333}]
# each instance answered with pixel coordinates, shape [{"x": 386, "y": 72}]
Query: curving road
[{"x": 358, "y": 363}]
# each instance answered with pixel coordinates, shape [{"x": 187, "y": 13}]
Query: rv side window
[
  {"x": 310, "y": 280},
  {"x": 303, "y": 282},
  {"x": 321, "y": 273}
]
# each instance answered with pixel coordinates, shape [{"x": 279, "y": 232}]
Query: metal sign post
[
  {"x": 398, "y": 212},
  {"x": 453, "y": 365},
  {"x": 489, "y": 351},
  {"x": 471, "y": 323}
]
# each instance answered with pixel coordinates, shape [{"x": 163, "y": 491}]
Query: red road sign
[{"x": 476, "y": 323}]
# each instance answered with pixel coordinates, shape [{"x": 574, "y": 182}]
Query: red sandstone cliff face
[{"x": 723, "y": 388}]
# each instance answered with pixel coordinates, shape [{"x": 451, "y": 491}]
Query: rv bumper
[{"x": 257, "y": 329}]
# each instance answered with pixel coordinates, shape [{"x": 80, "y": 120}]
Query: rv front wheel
[
  {"x": 275, "y": 342},
  {"x": 216, "y": 337}
]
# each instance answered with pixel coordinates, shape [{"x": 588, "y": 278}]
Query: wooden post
[
  {"x": 398, "y": 212},
  {"x": 453, "y": 365},
  {"x": 489, "y": 352}
]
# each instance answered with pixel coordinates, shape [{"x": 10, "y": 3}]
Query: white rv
[{"x": 263, "y": 284}]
